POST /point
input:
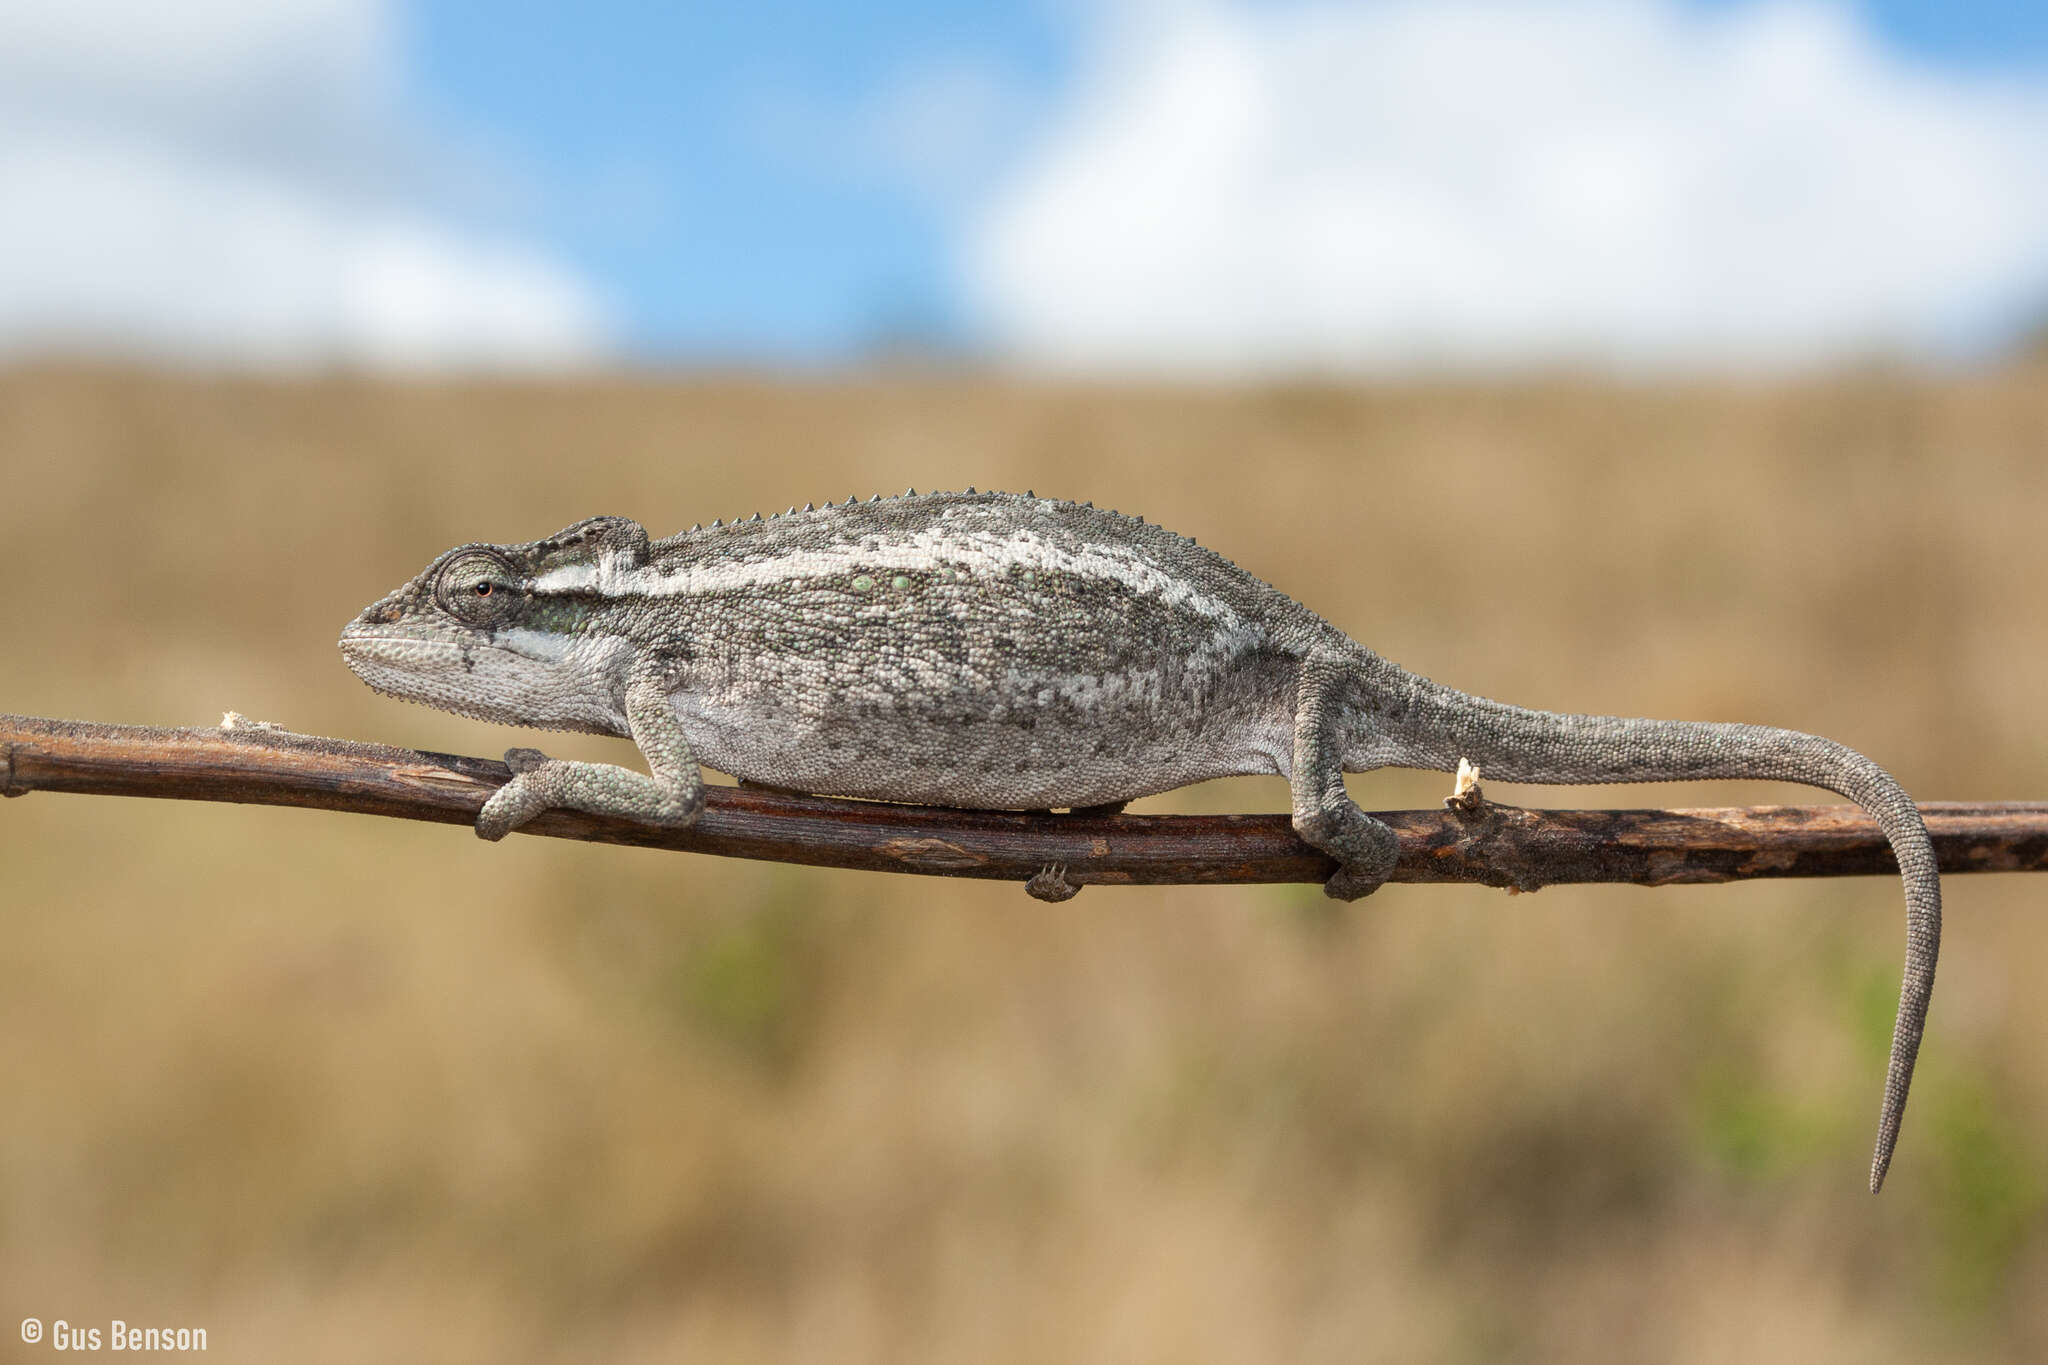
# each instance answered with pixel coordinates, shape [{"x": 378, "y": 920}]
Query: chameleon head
[{"x": 475, "y": 634}]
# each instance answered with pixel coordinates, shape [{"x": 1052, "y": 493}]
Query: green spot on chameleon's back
[
  {"x": 560, "y": 617},
  {"x": 862, "y": 583},
  {"x": 899, "y": 582}
]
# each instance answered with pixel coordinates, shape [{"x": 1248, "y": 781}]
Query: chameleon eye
[{"x": 477, "y": 587}]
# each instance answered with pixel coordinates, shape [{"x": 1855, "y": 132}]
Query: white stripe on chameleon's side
[
  {"x": 573, "y": 578},
  {"x": 921, "y": 551}
]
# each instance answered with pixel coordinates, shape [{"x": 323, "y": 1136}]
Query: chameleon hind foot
[{"x": 1366, "y": 849}]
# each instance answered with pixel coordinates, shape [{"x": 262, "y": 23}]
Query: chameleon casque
[{"x": 1002, "y": 651}]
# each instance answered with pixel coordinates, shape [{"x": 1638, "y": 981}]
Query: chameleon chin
[{"x": 997, "y": 650}]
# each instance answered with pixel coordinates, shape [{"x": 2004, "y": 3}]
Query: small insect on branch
[{"x": 1474, "y": 840}]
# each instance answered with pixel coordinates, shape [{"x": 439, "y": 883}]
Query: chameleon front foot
[
  {"x": 540, "y": 783},
  {"x": 1050, "y": 884}
]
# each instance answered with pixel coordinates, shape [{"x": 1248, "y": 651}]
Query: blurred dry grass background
[{"x": 342, "y": 1089}]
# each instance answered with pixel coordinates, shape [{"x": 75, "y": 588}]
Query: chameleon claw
[
  {"x": 511, "y": 806},
  {"x": 1050, "y": 884},
  {"x": 518, "y": 801},
  {"x": 1350, "y": 883}
]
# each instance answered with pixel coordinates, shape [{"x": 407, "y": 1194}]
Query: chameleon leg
[
  {"x": 672, "y": 796},
  {"x": 1324, "y": 813}
]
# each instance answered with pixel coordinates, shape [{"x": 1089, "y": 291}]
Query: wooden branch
[{"x": 1487, "y": 843}]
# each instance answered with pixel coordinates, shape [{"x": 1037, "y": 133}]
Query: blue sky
[
  {"x": 743, "y": 247},
  {"x": 731, "y": 243},
  {"x": 1188, "y": 187},
  {"x": 1966, "y": 32}
]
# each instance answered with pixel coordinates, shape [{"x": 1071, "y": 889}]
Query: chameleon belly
[{"x": 973, "y": 748}]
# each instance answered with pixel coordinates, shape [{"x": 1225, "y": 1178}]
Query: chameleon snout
[{"x": 382, "y": 614}]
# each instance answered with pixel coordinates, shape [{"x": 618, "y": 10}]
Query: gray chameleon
[{"x": 1003, "y": 651}]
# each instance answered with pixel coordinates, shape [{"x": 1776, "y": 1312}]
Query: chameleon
[{"x": 1006, "y": 651}]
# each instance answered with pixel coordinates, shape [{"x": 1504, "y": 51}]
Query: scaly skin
[{"x": 991, "y": 650}]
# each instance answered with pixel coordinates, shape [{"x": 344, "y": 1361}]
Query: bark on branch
[{"x": 1492, "y": 844}]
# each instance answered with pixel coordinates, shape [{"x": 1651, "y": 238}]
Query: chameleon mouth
[
  {"x": 381, "y": 656},
  {"x": 508, "y": 680},
  {"x": 387, "y": 647},
  {"x": 436, "y": 672}
]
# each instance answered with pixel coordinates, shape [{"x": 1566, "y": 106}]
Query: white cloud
[
  {"x": 229, "y": 181},
  {"x": 1250, "y": 187}
]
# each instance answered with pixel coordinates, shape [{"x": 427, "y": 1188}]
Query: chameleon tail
[{"x": 1422, "y": 724}]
